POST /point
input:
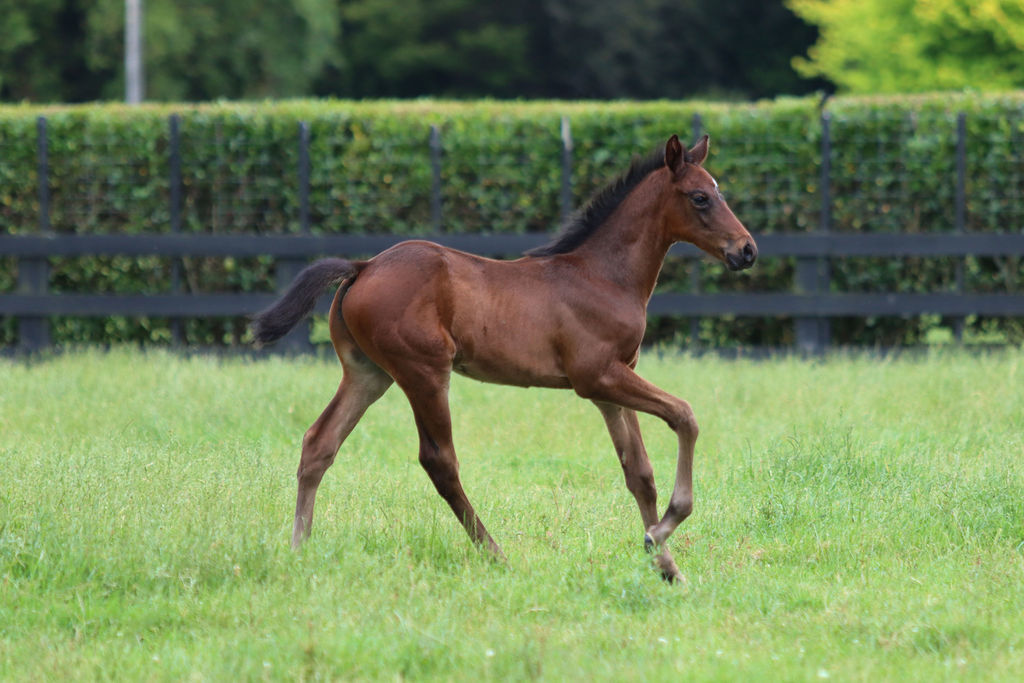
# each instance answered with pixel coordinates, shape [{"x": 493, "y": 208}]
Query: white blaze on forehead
[{"x": 717, "y": 191}]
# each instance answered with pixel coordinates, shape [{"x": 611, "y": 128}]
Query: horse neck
[{"x": 630, "y": 247}]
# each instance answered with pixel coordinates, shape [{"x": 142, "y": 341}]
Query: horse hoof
[
  {"x": 648, "y": 543},
  {"x": 669, "y": 570},
  {"x": 673, "y": 576}
]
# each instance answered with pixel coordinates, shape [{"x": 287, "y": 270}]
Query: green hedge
[{"x": 892, "y": 163}]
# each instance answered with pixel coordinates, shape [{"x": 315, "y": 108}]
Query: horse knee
[{"x": 684, "y": 422}]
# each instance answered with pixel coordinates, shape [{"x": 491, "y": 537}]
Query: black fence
[{"x": 810, "y": 300}]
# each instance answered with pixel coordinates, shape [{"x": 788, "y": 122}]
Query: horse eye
[{"x": 700, "y": 200}]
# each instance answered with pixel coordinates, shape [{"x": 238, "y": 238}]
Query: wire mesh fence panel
[
  {"x": 995, "y": 172},
  {"x": 771, "y": 180},
  {"x": 366, "y": 183},
  {"x": 507, "y": 179},
  {"x": 110, "y": 178},
  {"x": 238, "y": 175},
  {"x": 19, "y": 177},
  {"x": 995, "y": 196},
  {"x": 893, "y": 171}
]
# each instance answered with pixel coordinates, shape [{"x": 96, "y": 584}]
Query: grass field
[{"x": 855, "y": 519}]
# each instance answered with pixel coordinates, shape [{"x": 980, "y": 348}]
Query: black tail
[{"x": 275, "y": 322}]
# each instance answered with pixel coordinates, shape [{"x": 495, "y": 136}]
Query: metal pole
[
  {"x": 435, "y": 168},
  {"x": 826, "y": 172},
  {"x": 34, "y": 272},
  {"x": 133, "y": 74},
  {"x": 824, "y": 264},
  {"x": 304, "y": 176},
  {"x": 812, "y": 333},
  {"x": 566, "y": 169},
  {"x": 698, "y": 127},
  {"x": 960, "y": 217},
  {"x": 175, "y": 171},
  {"x": 44, "y": 174},
  {"x": 287, "y": 268},
  {"x": 174, "y": 164}
]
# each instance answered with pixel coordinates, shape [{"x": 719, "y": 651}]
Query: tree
[
  {"x": 411, "y": 48},
  {"x": 199, "y": 50},
  {"x": 668, "y": 48},
  {"x": 41, "y": 52},
  {"x": 913, "y": 46},
  {"x": 73, "y": 50}
]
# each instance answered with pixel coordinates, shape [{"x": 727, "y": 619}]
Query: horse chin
[{"x": 735, "y": 263}]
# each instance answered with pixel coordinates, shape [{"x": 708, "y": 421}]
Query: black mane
[{"x": 587, "y": 219}]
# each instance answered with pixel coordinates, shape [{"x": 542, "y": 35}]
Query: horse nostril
[{"x": 748, "y": 253}]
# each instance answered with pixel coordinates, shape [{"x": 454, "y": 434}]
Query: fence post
[
  {"x": 813, "y": 334},
  {"x": 304, "y": 176},
  {"x": 566, "y": 196},
  {"x": 435, "y": 172},
  {"x": 695, "y": 263},
  {"x": 960, "y": 217},
  {"x": 174, "y": 163},
  {"x": 34, "y": 271},
  {"x": 285, "y": 269},
  {"x": 824, "y": 262}
]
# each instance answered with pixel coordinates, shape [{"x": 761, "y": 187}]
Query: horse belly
[
  {"x": 513, "y": 376},
  {"x": 506, "y": 350}
]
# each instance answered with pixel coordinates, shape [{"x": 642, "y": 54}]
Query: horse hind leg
[
  {"x": 362, "y": 384},
  {"x": 429, "y": 401}
]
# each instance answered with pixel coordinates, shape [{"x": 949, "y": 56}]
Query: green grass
[{"x": 855, "y": 519}]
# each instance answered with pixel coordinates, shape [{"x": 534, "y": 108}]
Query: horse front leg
[
  {"x": 620, "y": 385},
  {"x": 624, "y": 429}
]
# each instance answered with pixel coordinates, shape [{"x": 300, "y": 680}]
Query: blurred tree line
[{"x": 72, "y": 50}]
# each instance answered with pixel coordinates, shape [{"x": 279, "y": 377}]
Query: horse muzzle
[{"x": 741, "y": 256}]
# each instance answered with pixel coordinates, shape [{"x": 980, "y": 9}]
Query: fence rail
[
  {"x": 305, "y": 246},
  {"x": 33, "y": 303}
]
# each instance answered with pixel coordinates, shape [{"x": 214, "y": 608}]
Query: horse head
[{"x": 698, "y": 212}]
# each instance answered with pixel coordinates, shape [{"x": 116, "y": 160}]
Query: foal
[{"x": 569, "y": 315}]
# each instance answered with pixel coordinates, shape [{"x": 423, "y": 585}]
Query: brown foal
[{"x": 568, "y": 315}]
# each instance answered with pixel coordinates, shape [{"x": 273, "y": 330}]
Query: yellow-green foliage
[{"x": 872, "y": 46}]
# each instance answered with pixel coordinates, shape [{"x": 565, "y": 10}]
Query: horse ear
[
  {"x": 699, "y": 152},
  {"x": 675, "y": 157}
]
